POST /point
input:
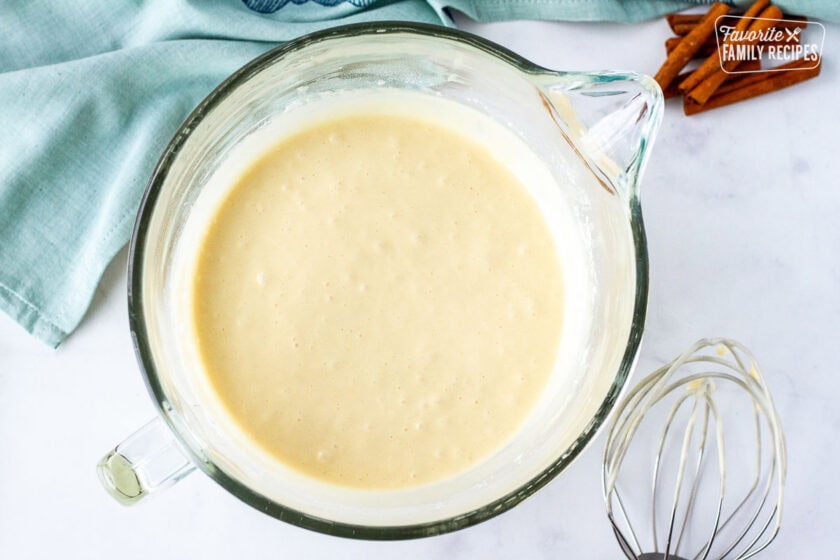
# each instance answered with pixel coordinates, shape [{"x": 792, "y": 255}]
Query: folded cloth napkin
[
  {"x": 92, "y": 90},
  {"x": 616, "y": 10}
]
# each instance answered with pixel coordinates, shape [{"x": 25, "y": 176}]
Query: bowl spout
[{"x": 611, "y": 117}]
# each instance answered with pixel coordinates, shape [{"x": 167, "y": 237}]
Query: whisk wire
[
  {"x": 687, "y": 436},
  {"x": 697, "y": 466},
  {"x": 657, "y": 462},
  {"x": 721, "y": 454},
  {"x": 748, "y": 553},
  {"x": 622, "y": 540},
  {"x": 753, "y": 487},
  {"x": 732, "y": 367}
]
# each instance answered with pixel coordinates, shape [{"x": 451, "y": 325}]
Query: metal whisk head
[{"x": 695, "y": 460}]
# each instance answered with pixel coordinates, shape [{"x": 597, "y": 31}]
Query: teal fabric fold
[
  {"x": 90, "y": 93},
  {"x": 92, "y": 90},
  {"x": 615, "y": 10}
]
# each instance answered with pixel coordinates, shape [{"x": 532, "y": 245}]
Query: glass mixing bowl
[{"x": 592, "y": 130}]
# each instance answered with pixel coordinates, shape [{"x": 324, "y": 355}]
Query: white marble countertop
[{"x": 741, "y": 206}]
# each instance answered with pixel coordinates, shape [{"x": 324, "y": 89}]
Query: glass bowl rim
[{"x": 143, "y": 351}]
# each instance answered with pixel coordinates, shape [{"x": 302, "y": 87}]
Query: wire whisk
[{"x": 711, "y": 485}]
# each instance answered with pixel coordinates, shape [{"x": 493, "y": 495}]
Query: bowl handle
[
  {"x": 611, "y": 117},
  {"x": 147, "y": 461}
]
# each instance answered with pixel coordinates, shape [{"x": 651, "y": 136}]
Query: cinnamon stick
[
  {"x": 748, "y": 66},
  {"x": 756, "y": 8},
  {"x": 682, "y": 19},
  {"x": 705, "y": 50},
  {"x": 682, "y": 28},
  {"x": 740, "y": 81},
  {"x": 707, "y": 86},
  {"x": 710, "y": 46},
  {"x": 712, "y": 64},
  {"x": 692, "y": 42},
  {"x": 790, "y": 22},
  {"x": 749, "y": 87},
  {"x": 672, "y": 90}
]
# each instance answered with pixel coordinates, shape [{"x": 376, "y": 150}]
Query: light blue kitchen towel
[{"x": 92, "y": 90}]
